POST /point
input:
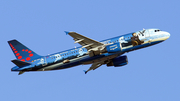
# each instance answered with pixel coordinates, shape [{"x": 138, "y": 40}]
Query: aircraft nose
[{"x": 167, "y": 34}]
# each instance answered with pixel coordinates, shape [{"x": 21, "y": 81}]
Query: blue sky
[{"x": 151, "y": 75}]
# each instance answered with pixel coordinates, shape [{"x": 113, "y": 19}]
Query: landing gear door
[{"x": 123, "y": 43}]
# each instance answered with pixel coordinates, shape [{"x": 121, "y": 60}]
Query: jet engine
[{"x": 119, "y": 61}]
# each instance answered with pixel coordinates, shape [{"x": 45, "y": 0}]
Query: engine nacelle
[{"x": 119, "y": 61}]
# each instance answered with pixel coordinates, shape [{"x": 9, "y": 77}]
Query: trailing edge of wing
[{"x": 20, "y": 63}]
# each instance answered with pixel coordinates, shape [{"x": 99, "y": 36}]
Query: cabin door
[
  {"x": 43, "y": 61},
  {"x": 147, "y": 33},
  {"x": 120, "y": 45}
]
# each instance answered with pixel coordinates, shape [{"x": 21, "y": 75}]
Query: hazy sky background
[{"x": 152, "y": 73}]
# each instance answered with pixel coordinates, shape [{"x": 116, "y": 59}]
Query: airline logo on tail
[{"x": 22, "y": 52}]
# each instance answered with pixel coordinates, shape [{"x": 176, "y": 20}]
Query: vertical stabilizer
[{"x": 22, "y": 52}]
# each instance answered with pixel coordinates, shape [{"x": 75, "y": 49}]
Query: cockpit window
[{"x": 157, "y": 30}]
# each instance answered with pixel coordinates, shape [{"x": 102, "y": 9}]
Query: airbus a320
[{"x": 108, "y": 52}]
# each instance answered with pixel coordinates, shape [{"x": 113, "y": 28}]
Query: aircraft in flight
[{"x": 107, "y": 52}]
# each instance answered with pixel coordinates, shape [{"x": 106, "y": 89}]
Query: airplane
[{"x": 108, "y": 52}]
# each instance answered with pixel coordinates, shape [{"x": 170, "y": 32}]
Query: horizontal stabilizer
[{"x": 20, "y": 63}]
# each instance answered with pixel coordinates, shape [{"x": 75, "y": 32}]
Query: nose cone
[{"x": 167, "y": 34}]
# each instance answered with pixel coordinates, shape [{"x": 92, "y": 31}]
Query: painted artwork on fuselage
[
  {"x": 67, "y": 55},
  {"x": 133, "y": 39}
]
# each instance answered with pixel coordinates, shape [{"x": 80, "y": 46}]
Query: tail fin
[{"x": 22, "y": 52}]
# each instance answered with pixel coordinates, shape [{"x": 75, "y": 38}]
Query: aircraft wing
[
  {"x": 103, "y": 61},
  {"x": 84, "y": 41}
]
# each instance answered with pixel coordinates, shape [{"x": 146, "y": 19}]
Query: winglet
[
  {"x": 85, "y": 71},
  {"x": 66, "y": 32},
  {"x": 21, "y": 72}
]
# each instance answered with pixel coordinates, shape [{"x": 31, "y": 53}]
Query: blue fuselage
[{"x": 116, "y": 47}]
